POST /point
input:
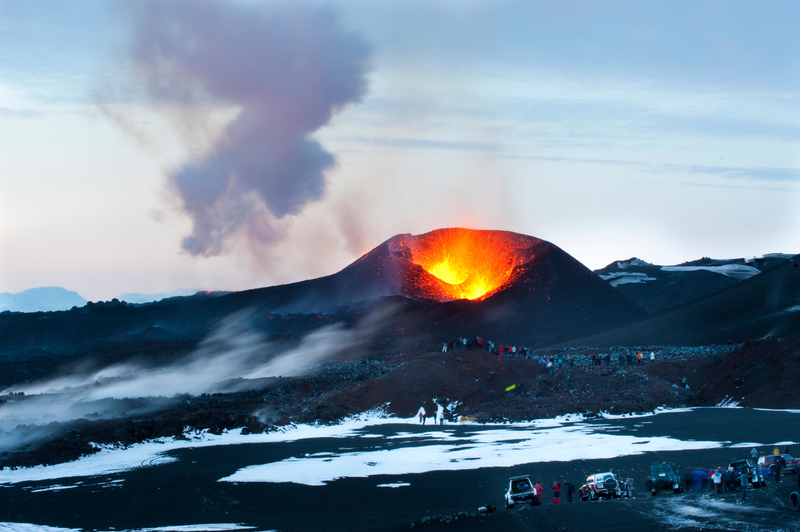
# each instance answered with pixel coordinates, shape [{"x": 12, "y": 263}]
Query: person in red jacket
[
  {"x": 539, "y": 490},
  {"x": 556, "y": 491}
]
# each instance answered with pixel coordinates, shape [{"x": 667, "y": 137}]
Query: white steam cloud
[
  {"x": 288, "y": 67},
  {"x": 231, "y": 352}
]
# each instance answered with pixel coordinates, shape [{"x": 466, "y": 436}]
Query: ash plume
[{"x": 287, "y": 67}]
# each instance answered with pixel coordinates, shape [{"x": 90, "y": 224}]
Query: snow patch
[
  {"x": 622, "y": 265},
  {"x": 28, "y": 527},
  {"x": 737, "y": 271},
  {"x": 394, "y": 485},
  {"x": 57, "y": 487},
  {"x": 616, "y": 279},
  {"x": 212, "y": 527},
  {"x": 729, "y": 402}
]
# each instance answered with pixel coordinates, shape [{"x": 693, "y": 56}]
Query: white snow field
[{"x": 437, "y": 449}]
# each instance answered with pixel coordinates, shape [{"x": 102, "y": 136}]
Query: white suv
[{"x": 520, "y": 490}]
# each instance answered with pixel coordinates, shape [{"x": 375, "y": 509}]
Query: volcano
[{"x": 449, "y": 282}]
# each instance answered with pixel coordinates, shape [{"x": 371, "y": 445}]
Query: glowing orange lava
[{"x": 467, "y": 263}]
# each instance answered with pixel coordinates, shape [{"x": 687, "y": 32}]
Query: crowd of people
[
  {"x": 550, "y": 361},
  {"x": 738, "y": 476}
]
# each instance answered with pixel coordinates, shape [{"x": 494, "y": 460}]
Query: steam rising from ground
[
  {"x": 231, "y": 352},
  {"x": 287, "y": 67}
]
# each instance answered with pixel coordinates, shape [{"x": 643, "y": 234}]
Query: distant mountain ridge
[
  {"x": 766, "y": 305},
  {"x": 655, "y": 288},
  {"x": 56, "y": 298},
  {"x": 44, "y": 299}
]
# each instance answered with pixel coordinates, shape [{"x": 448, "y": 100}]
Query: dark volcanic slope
[
  {"x": 656, "y": 288},
  {"x": 767, "y": 304},
  {"x": 757, "y": 374},
  {"x": 548, "y": 297},
  {"x": 555, "y": 297}
]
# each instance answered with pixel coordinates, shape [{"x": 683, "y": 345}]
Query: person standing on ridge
[
  {"x": 421, "y": 414},
  {"x": 556, "y": 492},
  {"x": 439, "y": 415}
]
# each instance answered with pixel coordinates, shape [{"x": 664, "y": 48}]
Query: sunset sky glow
[{"x": 663, "y": 130}]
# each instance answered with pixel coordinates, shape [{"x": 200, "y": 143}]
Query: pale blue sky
[{"x": 665, "y": 130}]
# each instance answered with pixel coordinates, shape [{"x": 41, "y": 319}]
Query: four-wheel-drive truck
[
  {"x": 601, "y": 486},
  {"x": 665, "y": 477}
]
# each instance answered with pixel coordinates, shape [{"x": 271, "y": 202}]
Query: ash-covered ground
[{"x": 472, "y": 384}]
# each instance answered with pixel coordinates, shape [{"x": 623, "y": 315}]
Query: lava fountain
[{"x": 465, "y": 263}]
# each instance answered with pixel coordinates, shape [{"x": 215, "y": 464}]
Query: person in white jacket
[{"x": 439, "y": 415}]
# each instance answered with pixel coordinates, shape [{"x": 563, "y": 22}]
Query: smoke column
[{"x": 288, "y": 67}]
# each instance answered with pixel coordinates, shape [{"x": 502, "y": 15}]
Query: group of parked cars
[{"x": 664, "y": 475}]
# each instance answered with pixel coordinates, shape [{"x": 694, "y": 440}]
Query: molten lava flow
[{"x": 467, "y": 264}]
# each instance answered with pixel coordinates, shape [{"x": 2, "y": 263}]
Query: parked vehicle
[
  {"x": 520, "y": 490},
  {"x": 768, "y": 462},
  {"x": 601, "y": 486},
  {"x": 755, "y": 476},
  {"x": 665, "y": 476}
]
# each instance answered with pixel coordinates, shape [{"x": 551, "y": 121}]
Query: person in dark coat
[
  {"x": 687, "y": 480},
  {"x": 744, "y": 482},
  {"x": 570, "y": 487},
  {"x": 780, "y": 463},
  {"x": 650, "y": 486},
  {"x": 726, "y": 480}
]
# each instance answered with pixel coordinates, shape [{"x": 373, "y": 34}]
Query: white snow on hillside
[
  {"x": 622, "y": 265},
  {"x": 737, "y": 271},
  {"x": 618, "y": 278}
]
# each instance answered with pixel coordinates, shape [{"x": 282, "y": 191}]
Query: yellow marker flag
[{"x": 511, "y": 387}]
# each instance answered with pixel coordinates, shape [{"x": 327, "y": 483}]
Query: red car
[
  {"x": 601, "y": 486},
  {"x": 768, "y": 462}
]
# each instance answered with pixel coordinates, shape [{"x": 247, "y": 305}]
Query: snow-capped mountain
[{"x": 655, "y": 287}]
